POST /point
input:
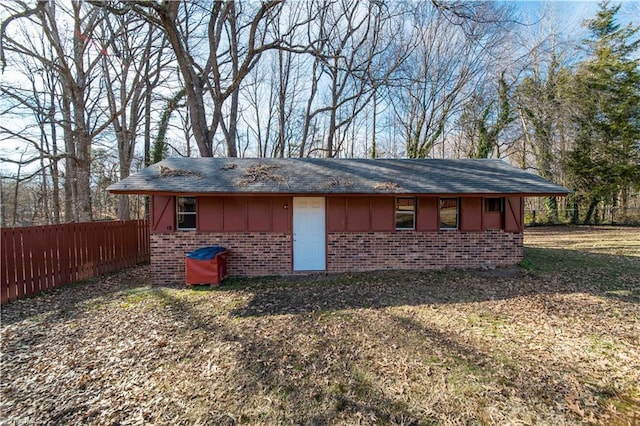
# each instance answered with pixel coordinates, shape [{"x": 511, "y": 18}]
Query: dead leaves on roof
[
  {"x": 261, "y": 173},
  {"x": 228, "y": 166},
  {"x": 387, "y": 186},
  {"x": 169, "y": 172},
  {"x": 335, "y": 182}
]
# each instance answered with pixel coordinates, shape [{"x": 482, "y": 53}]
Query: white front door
[{"x": 308, "y": 234}]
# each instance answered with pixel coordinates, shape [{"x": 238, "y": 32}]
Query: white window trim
[
  {"x": 179, "y": 213},
  {"x": 413, "y": 214},
  {"x": 457, "y": 214}
]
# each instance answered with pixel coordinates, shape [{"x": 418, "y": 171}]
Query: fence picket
[
  {"x": 9, "y": 266},
  {"x": 37, "y": 267},
  {"x": 55, "y": 257},
  {"x": 50, "y": 259},
  {"x": 45, "y": 257},
  {"x": 23, "y": 263}
]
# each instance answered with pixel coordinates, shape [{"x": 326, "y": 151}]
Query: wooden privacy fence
[{"x": 40, "y": 258}]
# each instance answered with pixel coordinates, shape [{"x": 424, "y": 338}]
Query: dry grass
[
  {"x": 556, "y": 341},
  {"x": 603, "y": 239}
]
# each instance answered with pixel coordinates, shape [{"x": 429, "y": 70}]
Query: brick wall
[
  {"x": 252, "y": 253},
  {"x": 350, "y": 251},
  {"x": 268, "y": 253}
]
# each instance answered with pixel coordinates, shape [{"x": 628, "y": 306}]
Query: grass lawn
[{"x": 554, "y": 341}]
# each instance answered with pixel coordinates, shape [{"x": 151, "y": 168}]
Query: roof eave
[{"x": 303, "y": 194}]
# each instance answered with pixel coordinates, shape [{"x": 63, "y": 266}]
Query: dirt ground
[{"x": 554, "y": 341}]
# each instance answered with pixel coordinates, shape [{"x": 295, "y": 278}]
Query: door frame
[{"x": 324, "y": 234}]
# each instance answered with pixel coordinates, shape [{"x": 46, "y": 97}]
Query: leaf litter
[{"x": 517, "y": 345}]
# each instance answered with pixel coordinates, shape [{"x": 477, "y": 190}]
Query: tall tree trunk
[
  {"x": 70, "y": 178},
  {"x": 308, "y": 116},
  {"x": 55, "y": 172},
  {"x": 374, "y": 147},
  {"x": 83, "y": 179},
  {"x": 282, "y": 100},
  {"x": 593, "y": 205}
]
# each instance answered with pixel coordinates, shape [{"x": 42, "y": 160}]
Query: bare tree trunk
[
  {"x": 332, "y": 113},
  {"x": 55, "y": 172},
  {"x": 46, "y": 211},
  {"x": 70, "y": 183},
  {"x": 283, "y": 84},
  {"x": 308, "y": 116},
  {"x": 374, "y": 146},
  {"x": 194, "y": 88}
]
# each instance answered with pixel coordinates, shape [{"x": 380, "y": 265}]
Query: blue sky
[
  {"x": 572, "y": 13},
  {"x": 567, "y": 17}
]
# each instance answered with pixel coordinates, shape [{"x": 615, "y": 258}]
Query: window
[
  {"x": 448, "y": 213},
  {"x": 493, "y": 205},
  {"x": 186, "y": 212},
  {"x": 405, "y": 212}
]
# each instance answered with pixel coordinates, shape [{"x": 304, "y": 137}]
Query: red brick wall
[
  {"x": 252, "y": 253},
  {"x": 268, "y": 253},
  {"x": 367, "y": 251}
]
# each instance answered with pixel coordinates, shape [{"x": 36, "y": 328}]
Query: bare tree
[
  {"x": 353, "y": 57},
  {"x": 71, "y": 35},
  {"x": 258, "y": 116},
  {"x": 289, "y": 73},
  {"x": 132, "y": 65},
  {"x": 451, "y": 57},
  {"x": 216, "y": 45},
  {"x": 35, "y": 102}
]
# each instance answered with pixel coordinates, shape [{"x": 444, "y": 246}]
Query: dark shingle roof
[{"x": 333, "y": 176}]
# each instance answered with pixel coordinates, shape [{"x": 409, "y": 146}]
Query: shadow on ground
[
  {"x": 544, "y": 271},
  {"x": 572, "y": 271},
  {"x": 315, "y": 348}
]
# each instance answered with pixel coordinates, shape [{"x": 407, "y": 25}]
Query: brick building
[{"x": 286, "y": 216}]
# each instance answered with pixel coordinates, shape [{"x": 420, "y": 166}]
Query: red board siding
[
  {"x": 235, "y": 214},
  {"x": 260, "y": 212},
  {"x": 383, "y": 214},
  {"x": 163, "y": 214},
  {"x": 492, "y": 220},
  {"x": 471, "y": 214},
  {"x": 336, "y": 213},
  {"x": 281, "y": 214},
  {"x": 358, "y": 214},
  {"x": 427, "y": 219},
  {"x": 513, "y": 214},
  {"x": 210, "y": 214},
  {"x": 239, "y": 214},
  {"x": 353, "y": 214}
]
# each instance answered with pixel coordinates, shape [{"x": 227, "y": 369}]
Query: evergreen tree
[
  {"x": 604, "y": 164},
  {"x": 543, "y": 106},
  {"x": 488, "y": 134}
]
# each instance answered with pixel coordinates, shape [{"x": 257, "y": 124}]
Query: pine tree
[{"x": 605, "y": 162}]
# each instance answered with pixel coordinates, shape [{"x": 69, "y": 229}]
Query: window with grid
[
  {"x": 448, "y": 213},
  {"x": 186, "y": 213},
  {"x": 405, "y": 213}
]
